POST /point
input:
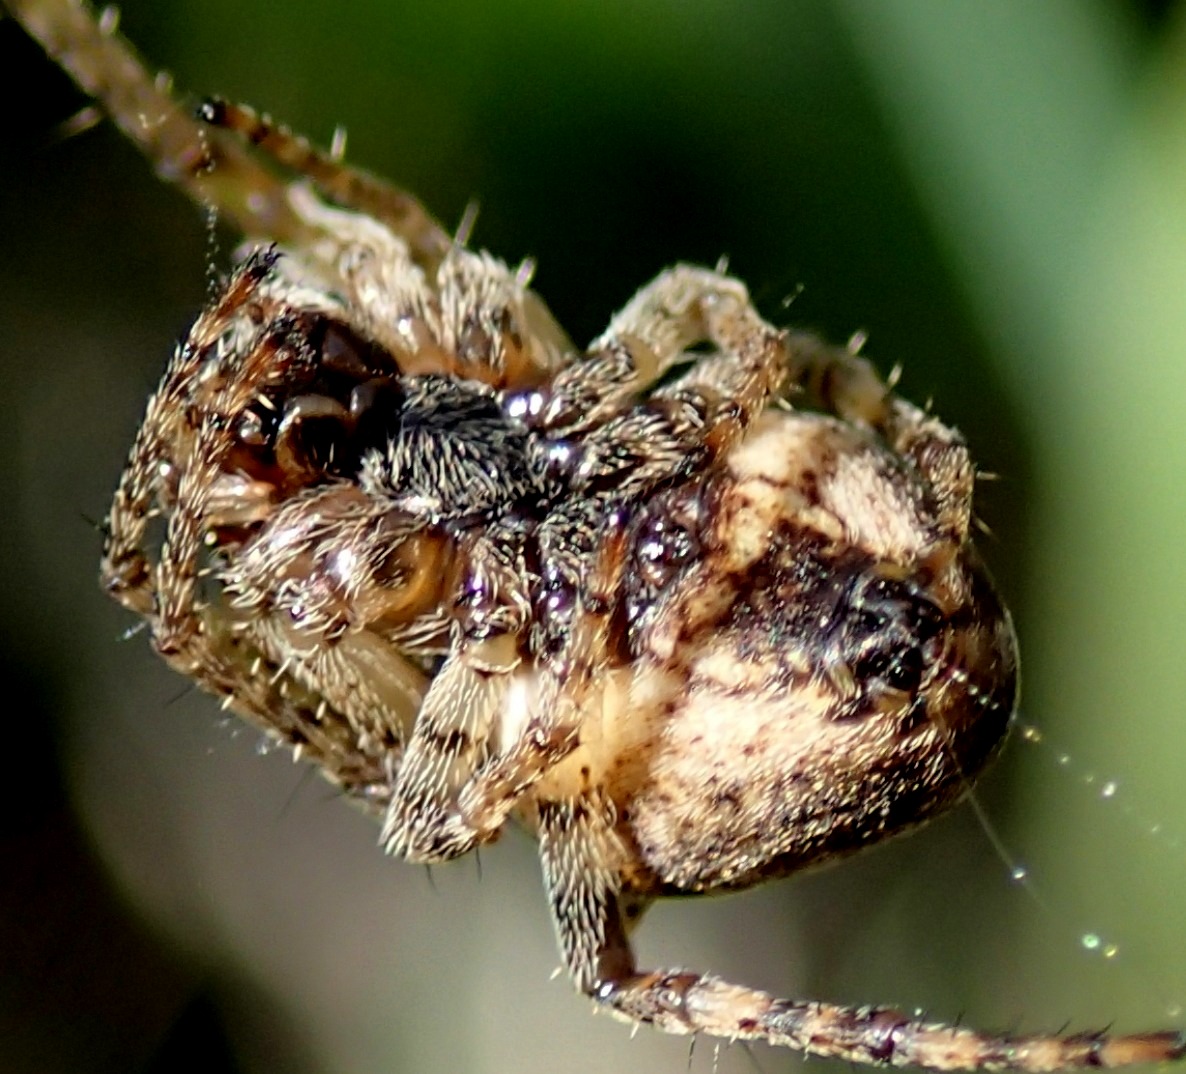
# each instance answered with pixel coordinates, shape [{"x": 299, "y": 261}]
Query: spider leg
[
  {"x": 580, "y": 856},
  {"x": 549, "y": 736},
  {"x": 352, "y": 734},
  {"x": 342, "y": 708},
  {"x": 688, "y": 305},
  {"x": 839, "y": 381},
  {"x": 212, "y": 159},
  {"x": 456, "y": 789},
  {"x": 352, "y": 188},
  {"x": 567, "y": 692},
  {"x": 469, "y": 316},
  {"x": 493, "y": 326},
  {"x": 330, "y": 728},
  {"x": 212, "y": 168},
  {"x": 449, "y": 742},
  {"x": 241, "y": 663},
  {"x": 364, "y": 681},
  {"x": 125, "y": 571},
  {"x": 451, "y": 793},
  {"x": 332, "y": 623},
  {"x": 680, "y": 308}
]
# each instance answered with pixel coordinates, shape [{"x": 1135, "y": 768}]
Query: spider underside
[{"x": 697, "y": 606}]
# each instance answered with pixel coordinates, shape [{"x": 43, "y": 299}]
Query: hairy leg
[
  {"x": 349, "y": 187},
  {"x": 680, "y": 308},
  {"x": 352, "y": 734},
  {"x": 841, "y": 382},
  {"x": 755, "y": 362},
  {"x": 454, "y": 790},
  {"x": 580, "y": 856},
  {"x": 448, "y": 744},
  {"x": 212, "y": 168}
]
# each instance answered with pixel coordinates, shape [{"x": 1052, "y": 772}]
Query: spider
[{"x": 698, "y": 606}]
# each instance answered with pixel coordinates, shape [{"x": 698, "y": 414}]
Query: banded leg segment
[
  {"x": 879, "y": 1036},
  {"x": 449, "y": 743},
  {"x": 212, "y": 168},
  {"x": 455, "y": 790},
  {"x": 349, "y": 187},
  {"x": 579, "y": 852}
]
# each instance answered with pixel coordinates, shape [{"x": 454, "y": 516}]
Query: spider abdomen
[{"x": 804, "y": 694}]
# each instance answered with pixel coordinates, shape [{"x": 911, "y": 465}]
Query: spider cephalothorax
[{"x": 697, "y": 605}]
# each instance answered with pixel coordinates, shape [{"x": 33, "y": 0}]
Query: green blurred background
[{"x": 996, "y": 192}]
